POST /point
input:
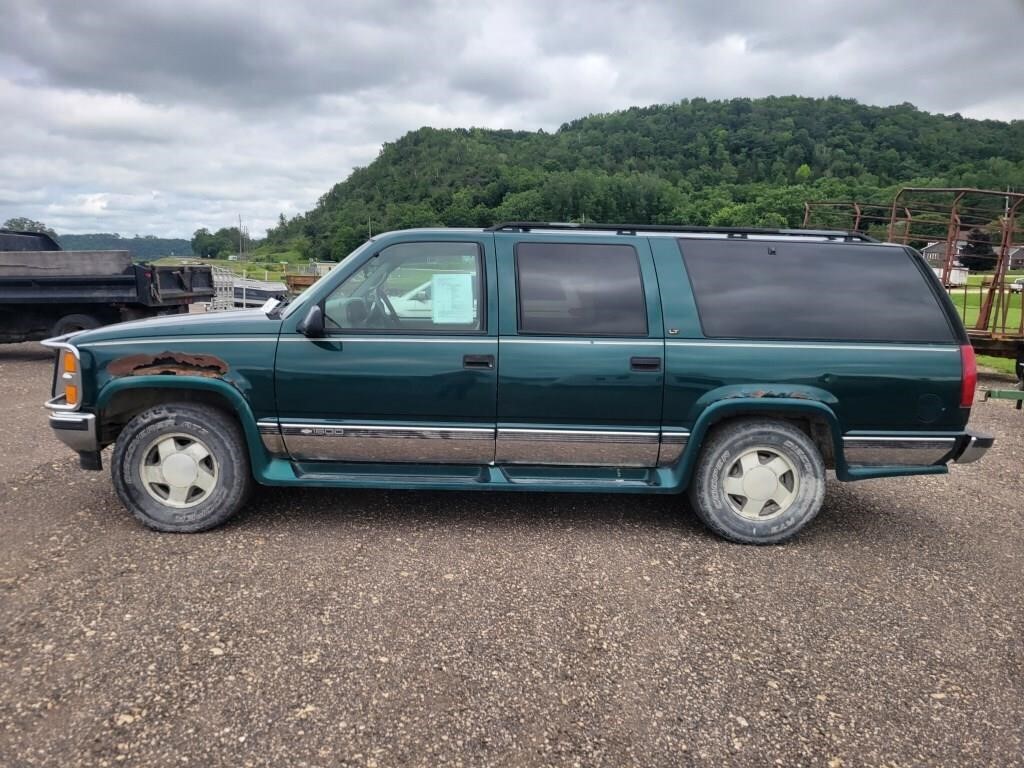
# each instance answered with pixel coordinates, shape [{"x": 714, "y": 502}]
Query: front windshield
[{"x": 303, "y": 297}]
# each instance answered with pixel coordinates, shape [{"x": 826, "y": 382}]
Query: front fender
[{"x": 257, "y": 453}]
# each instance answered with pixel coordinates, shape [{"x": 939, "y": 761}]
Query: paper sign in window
[{"x": 452, "y": 295}]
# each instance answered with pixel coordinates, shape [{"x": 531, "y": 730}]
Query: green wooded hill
[
  {"x": 142, "y": 248},
  {"x": 740, "y": 162}
]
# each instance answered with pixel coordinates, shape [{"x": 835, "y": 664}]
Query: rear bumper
[
  {"x": 866, "y": 451},
  {"x": 972, "y": 447}
]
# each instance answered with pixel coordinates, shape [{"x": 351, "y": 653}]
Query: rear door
[{"x": 581, "y": 351}]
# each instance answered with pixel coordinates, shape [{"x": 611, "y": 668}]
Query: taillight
[{"x": 968, "y": 376}]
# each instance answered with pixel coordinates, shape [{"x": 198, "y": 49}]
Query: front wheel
[
  {"x": 181, "y": 467},
  {"x": 758, "y": 481}
]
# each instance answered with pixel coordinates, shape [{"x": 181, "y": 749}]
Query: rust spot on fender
[
  {"x": 761, "y": 393},
  {"x": 168, "y": 364}
]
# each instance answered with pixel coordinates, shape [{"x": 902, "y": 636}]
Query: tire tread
[
  {"x": 209, "y": 417},
  {"x": 718, "y": 439}
]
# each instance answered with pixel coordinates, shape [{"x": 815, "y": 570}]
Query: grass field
[
  {"x": 256, "y": 270},
  {"x": 968, "y": 303},
  {"x": 979, "y": 278},
  {"x": 1001, "y": 364},
  {"x": 405, "y": 279}
]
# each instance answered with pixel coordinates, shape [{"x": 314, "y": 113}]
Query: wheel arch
[
  {"x": 815, "y": 418},
  {"x": 121, "y": 399}
]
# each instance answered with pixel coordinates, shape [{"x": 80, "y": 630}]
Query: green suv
[{"x": 736, "y": 365}]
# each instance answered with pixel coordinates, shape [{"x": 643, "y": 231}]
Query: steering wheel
[
  {"x": 390, "y": 309},
  {"x": 381, "y": 307}
]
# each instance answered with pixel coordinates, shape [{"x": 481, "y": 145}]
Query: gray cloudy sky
[{"x": 139, "y": 116}]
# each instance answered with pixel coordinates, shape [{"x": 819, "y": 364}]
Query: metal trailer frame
[
  {"x": 223, "y": 290},
  {"x": 1005, "y": 394},
  {"x": 947, "y": 215}
]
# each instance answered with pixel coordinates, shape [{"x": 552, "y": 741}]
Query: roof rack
[{"x": 632, "y": 229}]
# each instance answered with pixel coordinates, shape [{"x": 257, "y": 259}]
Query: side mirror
[{"x": 312, "y": 325}]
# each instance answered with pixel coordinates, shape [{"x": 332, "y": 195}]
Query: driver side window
[{"x": 411, "y": 287}]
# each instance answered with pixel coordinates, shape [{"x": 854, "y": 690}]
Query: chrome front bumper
[
  {"x": 974, "y": 447},
  {"x": 75, "y": 430}
]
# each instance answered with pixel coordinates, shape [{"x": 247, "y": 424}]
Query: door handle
[
  {"x": 478, "y": 361},
  {"x": 645, "y": 363}
]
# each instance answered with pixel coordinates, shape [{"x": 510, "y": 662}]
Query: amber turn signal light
[
  {"x": 71, "y": 394},
  {"x": 70, "y": 363}
]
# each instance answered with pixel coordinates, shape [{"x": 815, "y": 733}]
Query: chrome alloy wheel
[
  {"x": 761, "y": 483},
  {"x": 178, "y": 470}
]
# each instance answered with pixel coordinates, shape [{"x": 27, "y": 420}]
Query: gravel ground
[{"x": 406, "y": 628}]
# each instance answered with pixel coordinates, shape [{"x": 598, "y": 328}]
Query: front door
[
  {"x": 408, "y": 369},
  {"x": 581, "y": 360}
]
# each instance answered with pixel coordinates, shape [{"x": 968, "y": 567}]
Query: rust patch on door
[{"x": 168, "y": 364}]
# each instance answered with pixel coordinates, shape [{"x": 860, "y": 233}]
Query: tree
[
  {"x": 218, "y": 244},
  {"x": 205, "y": 245},
  {"x": 22, "y": 224},
  {"x": 977, "y": 253},
  {"x": 740, "y": 162}
]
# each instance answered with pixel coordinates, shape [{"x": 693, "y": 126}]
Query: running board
[
  {"x": 591, "y": 477},
  {"x": 474, "y": 476},
  {"x": 387, "y": 474}
]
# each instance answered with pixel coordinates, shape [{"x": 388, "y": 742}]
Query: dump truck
[{"x": 47, "y": 291}]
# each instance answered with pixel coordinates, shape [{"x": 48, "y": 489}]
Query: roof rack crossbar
[{"x": 633, "y": 229}]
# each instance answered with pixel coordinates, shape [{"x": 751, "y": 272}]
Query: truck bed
[
  {"x": 63, "y": 263},
  {"x": 98, "y": 277}
]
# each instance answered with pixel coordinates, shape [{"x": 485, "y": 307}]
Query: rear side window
[
  {"x": 579, "y": 289},
  {"x": 812, "y": 291}
]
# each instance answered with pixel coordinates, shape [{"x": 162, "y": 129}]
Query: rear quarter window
[{"x": 813, "y": 292}]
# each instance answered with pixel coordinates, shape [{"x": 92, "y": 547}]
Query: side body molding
[{"x": 846, "y": 470}]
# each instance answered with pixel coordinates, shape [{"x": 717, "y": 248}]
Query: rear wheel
[
  {"x": 758, "y": 481},
  {"x": 181, "y": 467}
]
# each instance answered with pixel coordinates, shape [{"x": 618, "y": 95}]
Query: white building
[{"x": 935, "y": 254}]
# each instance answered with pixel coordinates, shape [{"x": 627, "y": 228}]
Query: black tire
[
  {"x": 72, "y": 323},
  {"x": 228, "y": 459},
  {"x": 719, "y": 463}
]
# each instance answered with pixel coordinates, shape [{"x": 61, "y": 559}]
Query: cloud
[{"x": 228, "y": 107}]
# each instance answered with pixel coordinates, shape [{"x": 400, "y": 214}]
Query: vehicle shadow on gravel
[
  {"x": 848, "y": 514},
  {"x": 302, "y": 506},
  {"x": 858, "y": 512}
]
